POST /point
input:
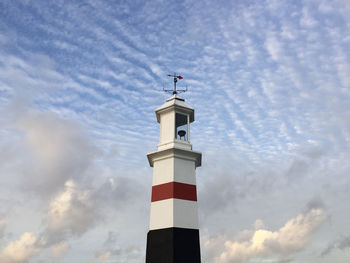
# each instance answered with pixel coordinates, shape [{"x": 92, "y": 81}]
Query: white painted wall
[
  {"x": 174, "y": 170},
  {"x": 184, "y": 171},
  {"x": 167, "y": 127},
  {"x": 163, "y": 171},
  {"x": 174, "y": 213}
]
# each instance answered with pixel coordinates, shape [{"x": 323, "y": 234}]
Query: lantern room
[{"x": 175, "y": 116}]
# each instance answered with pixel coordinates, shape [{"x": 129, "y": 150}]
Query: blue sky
[{"x": 270, "y": 84}]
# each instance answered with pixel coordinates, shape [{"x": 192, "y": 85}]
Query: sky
[{"x": 270, "y": 84}]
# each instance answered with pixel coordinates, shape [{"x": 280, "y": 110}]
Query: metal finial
[{"x": 175, "y": 91}]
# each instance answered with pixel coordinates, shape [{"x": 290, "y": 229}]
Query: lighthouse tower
[{"x": 173, "y": 235}]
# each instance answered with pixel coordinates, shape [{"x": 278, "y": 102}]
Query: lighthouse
[{"x": 173, "y": 235}]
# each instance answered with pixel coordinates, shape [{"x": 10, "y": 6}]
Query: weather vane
[{"x": 175, "y": 91}]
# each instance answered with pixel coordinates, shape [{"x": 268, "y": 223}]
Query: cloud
[
  {"x": 290, "y": 238},
  {"x": 128, "y": 254},
  {"x": 115, "y": 191},
  {"x": 59, "y": 150},
  {"x": 2, "y": 228},
  {"x": 306, "y": 161},
  {"x": 340, "y": 244},
  {"x": 56, "y": 160},
  {"x": 273, "y": 46},
  {"x": 71, "y": 213},
  {"x": 28, "y": 75},
  {"x": 111, "y": 239},
  {"x": 306, "y": 19},
  {"x": 59, "y": 250},
  {"x": 105, "y": 254},
  {"x": 22, "y": 250},
  {"x": 111, "y": 250},
  {"x": 258, "y": 224}
]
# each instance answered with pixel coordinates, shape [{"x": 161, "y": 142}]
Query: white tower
[{"x": 174, "y": 233}]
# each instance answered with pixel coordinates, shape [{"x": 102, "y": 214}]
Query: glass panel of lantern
[{"x": 181, "y": 126}]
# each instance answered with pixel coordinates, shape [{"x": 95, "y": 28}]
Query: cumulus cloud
[
  {"x": 258, "y": 224},
  {"x": 52, "y": 158},
  {"x": 71, "y": 212},
  {"x": 22, "y": 250},
  {"x": 57, "y": 160},
  {"x": 290, "y": 238}
]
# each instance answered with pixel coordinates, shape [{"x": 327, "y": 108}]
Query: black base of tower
[{"x": 173, "y": 245}]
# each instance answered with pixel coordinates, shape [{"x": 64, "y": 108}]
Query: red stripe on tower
[{"x": 174, "y": 190}]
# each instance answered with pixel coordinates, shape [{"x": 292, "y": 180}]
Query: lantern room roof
[{"x": 178, "y": 104}]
